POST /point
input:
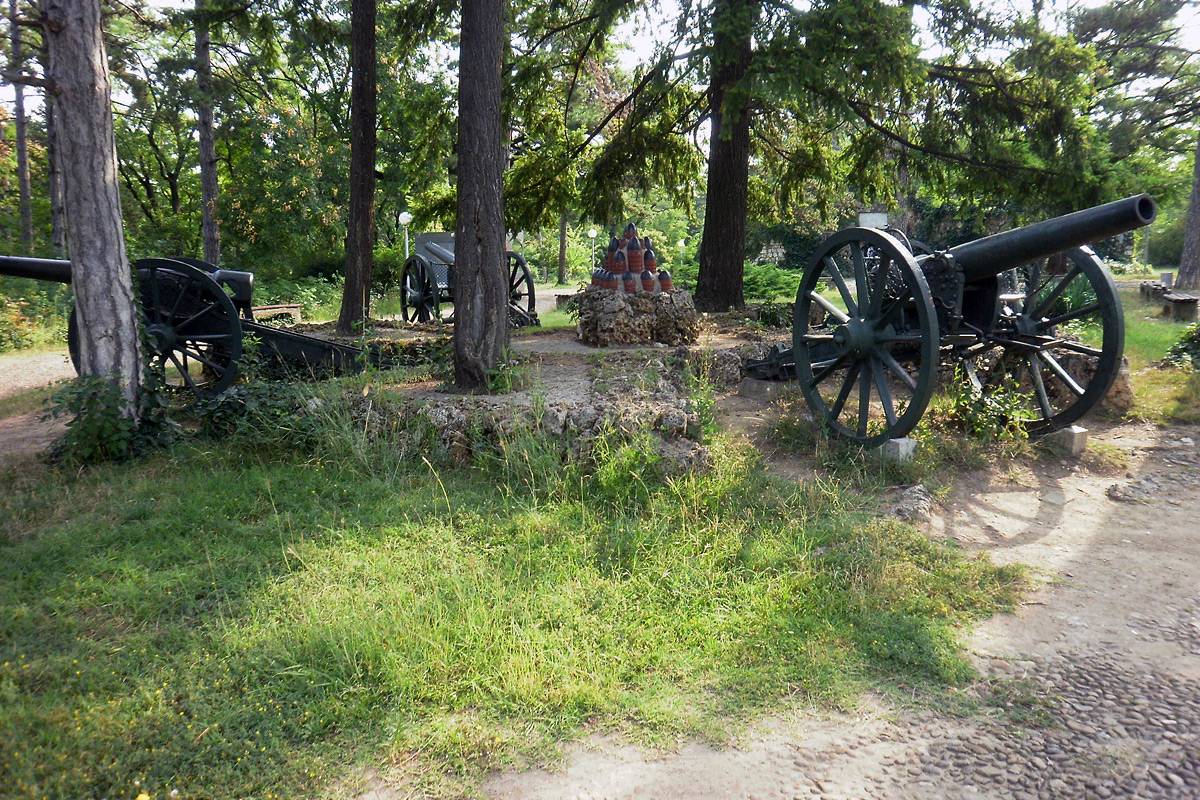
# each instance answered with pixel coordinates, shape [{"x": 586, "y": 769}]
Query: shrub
[
  {"x": 98, "y": 430},
  {"x": 1186, "y": 352},
  {"x": 16, "y": 327}
]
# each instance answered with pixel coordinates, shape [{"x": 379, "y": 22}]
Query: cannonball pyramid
[{"x": 630, "y": 266}]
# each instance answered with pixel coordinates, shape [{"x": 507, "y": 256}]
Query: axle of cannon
[
  {"x": 987, "y": 257},
  {"x": 40, "y": 269}
]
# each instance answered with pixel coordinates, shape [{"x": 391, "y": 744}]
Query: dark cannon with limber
[
  {"x": 195, "y": 317},
  {"x": 427, "y": 283},
  {"x": 1032, "y": 308}
]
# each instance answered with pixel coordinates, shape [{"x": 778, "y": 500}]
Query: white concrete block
[
  {"x": 1071, "y": 440},
  {"x": 900, "y": 450},
  {"x": 1167, "y": 279}
]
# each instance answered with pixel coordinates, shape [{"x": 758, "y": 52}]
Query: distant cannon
[
  {"x": 1034, "y": 306},
  {"x": 427, "y": 283},
  {"x": 195, "y": 317}
]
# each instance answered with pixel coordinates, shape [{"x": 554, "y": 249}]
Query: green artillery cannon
[
  {"x": 195, "y": 317},
  {"x": 428, "y": 283},
  {"x": 876, "y": 319}
]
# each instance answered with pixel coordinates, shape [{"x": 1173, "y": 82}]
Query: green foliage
[
  {"x": 240, "y": 622},
  {"x": 996, "y": 416},
  {"x": 99, "y": 430},
  {"x": 1186, "y": 352},
  {"x": 16, "y": 327}
]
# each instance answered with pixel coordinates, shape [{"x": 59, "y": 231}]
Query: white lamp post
[
  {"x": 405, "y": 218},
  {"x": 592, "y": 236},
  {"x": 682, "y": 244}
]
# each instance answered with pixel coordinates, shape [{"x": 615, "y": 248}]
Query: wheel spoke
[
  {"x": 843, "y": 290},
  {"x": 1062, "y": 374},
  {"x": 825, "y": 369},
  {"x": 1031, "y": 285},
  {"x": 860, "y": 274},
  {"x": 899, "y": 338},
  {"x": 876, "y": 299},
  {"x": 1078, "y": 347},
  {"x": 155, "y": 296},
  {"x": 1035, "y": 372},
  {"x": 864, "y": 401},
  {"x": 1082, "y": 311},
  {"x": 829, "y": 307},
  {"x": 182, "y": 369},
  {"x": 894, "y": 367},
  {"x": 817, "y": 337},
  {"x": 196, "y": 316},
  {"x": 847, "y": 384},
  {"x": 885, "y": 394},
  {"x": 1056, "y": 293},
  {"x": 892, "y": 308},
  {"x": 196, "y": 354}
]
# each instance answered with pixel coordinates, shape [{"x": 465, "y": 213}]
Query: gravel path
[
  {"x": 1088, "y": 691},
  {"x": 21, "y": 371}
]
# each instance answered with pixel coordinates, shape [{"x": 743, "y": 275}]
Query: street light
[
  {"x": 592, "y": 236},
  {"x": 404, "y": 219},
  {"x": 682, "y": 244}
]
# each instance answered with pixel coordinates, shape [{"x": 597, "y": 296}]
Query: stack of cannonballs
[
  {"x": 630, "y": 266},
  {"x": 632, "y": 301}
]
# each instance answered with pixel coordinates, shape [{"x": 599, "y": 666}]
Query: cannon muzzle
[
  {"x": 40, "y": 269},
  {"x": 992, "y": 255}
]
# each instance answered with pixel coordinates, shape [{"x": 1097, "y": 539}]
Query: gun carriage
[
  {"x": 195, "y": 317},
  {"x": 876, "y": 320},
  {"x": 427, "y": 283}
]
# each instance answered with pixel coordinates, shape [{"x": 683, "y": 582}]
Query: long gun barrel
[
  {"x": 40, "y": 269},
  {"x": 992, "y": 255}
]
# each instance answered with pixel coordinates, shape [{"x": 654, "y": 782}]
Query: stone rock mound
[{"x": 608, "y": 316}]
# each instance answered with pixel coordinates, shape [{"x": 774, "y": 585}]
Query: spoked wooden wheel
[
  {"x": 869, "y": 369},
  {"x": 191, "y": 327},
  {"x": 1058, "y": 335},
  {"x": 420, "y": 296},
  {"x": 522, "y": 306}
]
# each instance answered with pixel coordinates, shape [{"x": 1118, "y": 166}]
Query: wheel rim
[
  {"x": 1059, "y": 335},
  {"x": 418, "y": 299},
  {"x": 865, "y": 337},
  {"x": 191, "y": 326}
]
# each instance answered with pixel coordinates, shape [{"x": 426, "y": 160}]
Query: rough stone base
[
  {"x": 1071, "y": 440},
  {"x": 608, "y": 317}
]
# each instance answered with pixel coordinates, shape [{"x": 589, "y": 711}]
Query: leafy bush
[
  {"x": 16, "y": 327},
  {"x": 98, "y": 430},
  {"x": 1186, "y": 352},
  {"x": 995, "y": 416}
]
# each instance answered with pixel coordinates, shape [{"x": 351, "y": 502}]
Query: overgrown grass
[
  {"x": 234, "y": 619},
  {"x": 1160, "y": 395}
]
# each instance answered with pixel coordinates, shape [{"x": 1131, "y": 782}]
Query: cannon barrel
[
  {"x": 992, "y": 255},
  {"x": 40, "y": 269}
]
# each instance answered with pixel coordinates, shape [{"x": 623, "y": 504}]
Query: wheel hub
[
  {"x": 162, "y": 337},
  {"x": 855, "y": 336}
]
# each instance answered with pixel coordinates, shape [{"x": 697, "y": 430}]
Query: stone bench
[
  {"x": 292, "y": 310},
  {"x": 1180, "y": 307}
]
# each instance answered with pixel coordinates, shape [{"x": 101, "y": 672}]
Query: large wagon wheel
[
  {"x": 191, "y": 327},
  {"x": 420, "y": 297},
  {"x": 1059, "y": 335},
  {"x": 522, "y": 305},
  {"x": 869, "y": 369}
]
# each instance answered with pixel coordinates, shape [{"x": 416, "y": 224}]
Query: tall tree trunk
[
  {"x": 480, "y": 271},
  {"x": 1189, "y": 263},
  {"x": 58, "y": 228},
  {"x": 360, "y": 230},
  {"x": 723, "y": 244},
  {"x": 23, "y": 188},
  {"x": 100, "y": 274},
  {"x": 210, "y": 230},
  {"x": 562, "y": 248}
]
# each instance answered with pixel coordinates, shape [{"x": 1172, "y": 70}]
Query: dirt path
[
  {"x": 21, "y": 371},
  {"x": 1100, "y": 666}
]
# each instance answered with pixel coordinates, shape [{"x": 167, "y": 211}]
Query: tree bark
[
  {"x": 1189, "y": 262},
  {"x": 210, "y": 230},
  {"x": 480, "y": 269},
  {"x": 58, "y": 228},
  {"x": 723, "y": 243},
  {"x": 562, "y": 248},
  {"x": 22, "y": 130},
  {"x": 100, "y": 274},
  {"x": 360, "y": 230}
]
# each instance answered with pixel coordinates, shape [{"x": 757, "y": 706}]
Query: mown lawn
[{"x": 229, "y": 620}]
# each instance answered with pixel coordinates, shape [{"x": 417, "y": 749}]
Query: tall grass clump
[{"x": 237, "y": 616}]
